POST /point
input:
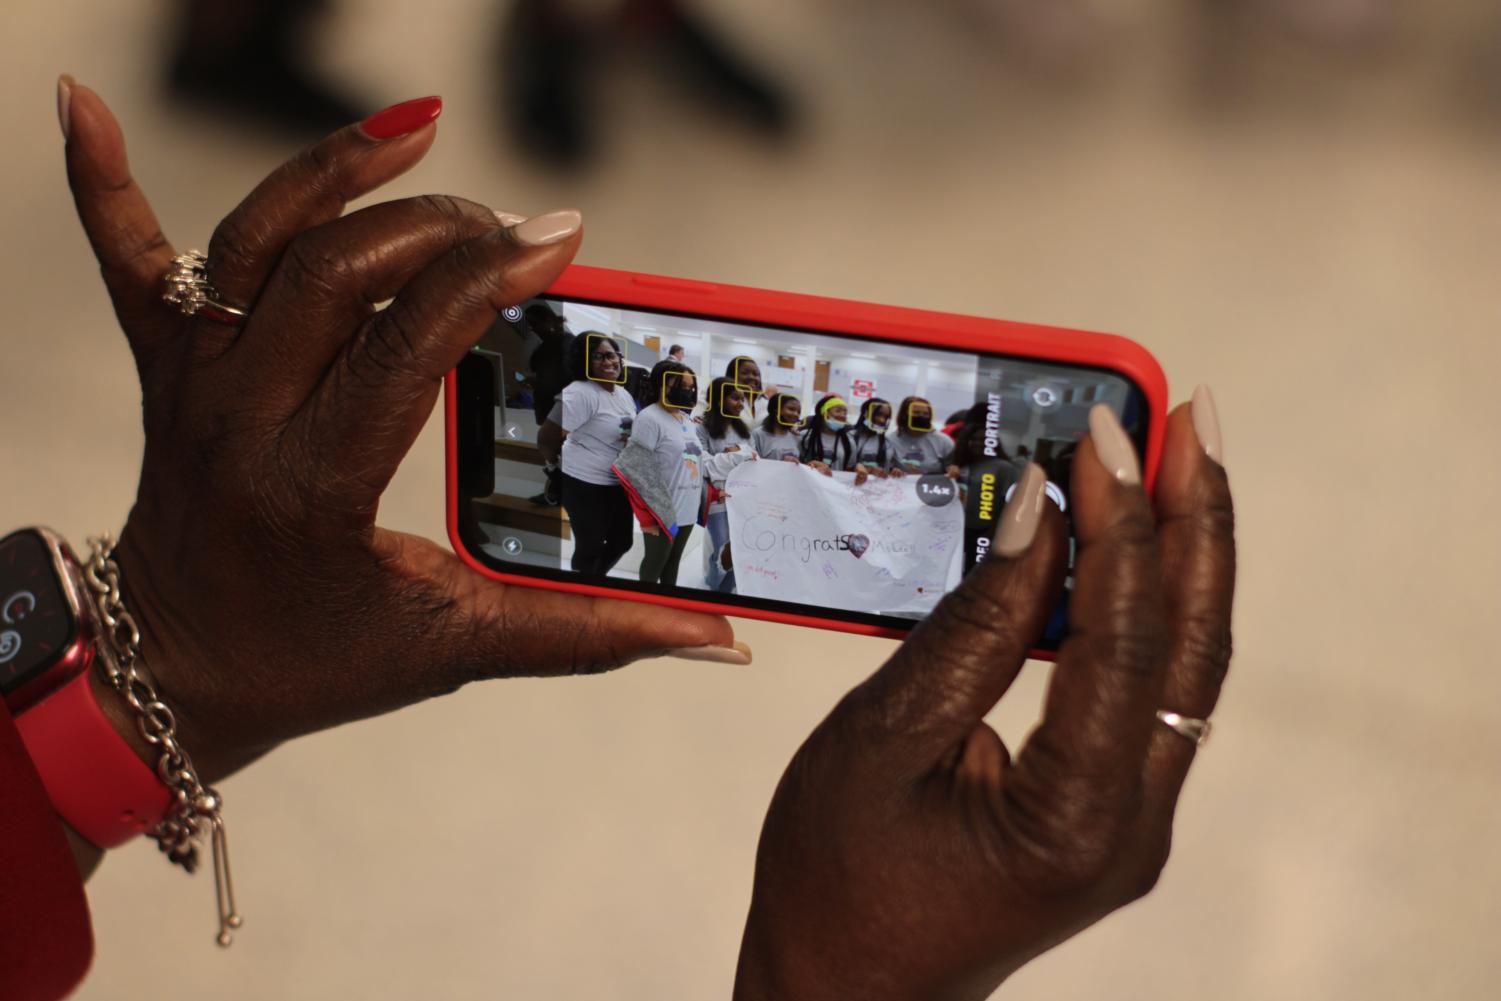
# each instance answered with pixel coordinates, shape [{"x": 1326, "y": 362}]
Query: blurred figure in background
[
  {"x": 549, "y": 361},
  {"x": 549, "y": 377},
  {"x": 254, "y": 59},
  {"x": 1064, "y": 41},
  {"x": 551, "y": 50}
]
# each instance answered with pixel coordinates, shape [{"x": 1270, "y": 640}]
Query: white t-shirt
[
  {"x": 775, "y": 446},
  {"x": 920, "y": 453},
  {"x": 598, "y": 420},
  {"x": 836, "y": 451},
  {"x": 865, "y": 447},
  {"x": 675, "y": 443},
  {"x": 732, "y": 437}
]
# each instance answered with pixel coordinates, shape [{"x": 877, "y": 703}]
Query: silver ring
[
  {"x": 189, "y": 290},
  {"x": 1189, "y": 727}
]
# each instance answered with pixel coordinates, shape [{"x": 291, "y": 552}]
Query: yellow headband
[{"x": 829, "y": 404}]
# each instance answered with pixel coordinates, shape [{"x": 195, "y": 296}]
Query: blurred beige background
[{"x": 1312, "y": 232}]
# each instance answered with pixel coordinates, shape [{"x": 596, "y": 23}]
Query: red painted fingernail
[{"x": 402, "y": 119}]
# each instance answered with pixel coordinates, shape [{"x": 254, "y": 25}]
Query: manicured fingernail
[
  {"x": 1207, "y": 424},
  {"x": 509, "y": 218},
  {"x": 1112, "y": 446},
  {"x": 1023, "y": 513},
  {"x": 65, "y": 101},
  {"x": 740, "y": 653},
  {"x": 550, "y": 227},
  {"x": 402, "y": 119}
]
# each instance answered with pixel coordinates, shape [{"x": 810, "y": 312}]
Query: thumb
[
  {"x": 485, "y": 629},
  {"x": 118, "y": 220},
  {"x": 954, "y": 667}
]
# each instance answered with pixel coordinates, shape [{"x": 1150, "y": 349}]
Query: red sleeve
[
  {"x": 45, "y": 940},
  {"x": 639, "y": 507}
]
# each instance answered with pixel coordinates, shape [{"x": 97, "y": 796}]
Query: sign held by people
[{"x": 880, "y": 547}]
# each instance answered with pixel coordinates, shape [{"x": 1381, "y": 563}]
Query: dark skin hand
[
  {"x": 906, "y": 855},
  {"x": 271, "y": 604}
]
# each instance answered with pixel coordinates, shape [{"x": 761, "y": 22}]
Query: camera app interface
[{"x": 777, "y": 468}]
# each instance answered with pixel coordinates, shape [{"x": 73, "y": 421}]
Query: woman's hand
[
  {"x": 821, "y": 467},
  {"x": 906, "y": 855},
  {"x": 270, "y": 603},
  {"x": 650, "y": 530},
  {"x": 862, "y": 473},
  {"x": 953, "y": 472}
]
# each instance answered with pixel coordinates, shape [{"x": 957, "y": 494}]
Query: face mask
[
  {"x": 682, "y": 396},
  {"x": 834, "y": 425},
  {"x": 881, "y": 427}
]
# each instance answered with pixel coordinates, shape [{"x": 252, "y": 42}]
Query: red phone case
[{"x": 835, "y": 316}]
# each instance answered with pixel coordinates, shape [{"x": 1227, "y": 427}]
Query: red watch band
[{"x": 93, "y": 777}]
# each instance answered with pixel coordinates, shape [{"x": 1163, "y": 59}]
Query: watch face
[{"x": 36, "y": 621}]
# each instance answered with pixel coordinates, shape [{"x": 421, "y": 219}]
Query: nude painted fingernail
[
  {"x": 1207, "y": 424},
  {"x": 1112, "y": 445},
  {"x": 1022, "y": 514},
  {"x": 509, "y": 218},
  {"x": 739, "y": 654},
  {"x": 65, "y": 102},
  {"x": 550, "y": 227}
]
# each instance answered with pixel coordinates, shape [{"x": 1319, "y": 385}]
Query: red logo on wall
[{"x": 863, "y": 389}]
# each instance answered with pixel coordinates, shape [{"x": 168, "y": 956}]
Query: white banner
[{"x": 887, "y": 546}]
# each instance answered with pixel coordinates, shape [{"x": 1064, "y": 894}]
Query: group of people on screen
[{"x": 658, "y": 454}]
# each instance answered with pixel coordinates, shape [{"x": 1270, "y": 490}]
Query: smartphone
[{"x": 766, "y": 454}]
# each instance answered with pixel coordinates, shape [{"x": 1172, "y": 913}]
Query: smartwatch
[{"x": 49, "y": 642}]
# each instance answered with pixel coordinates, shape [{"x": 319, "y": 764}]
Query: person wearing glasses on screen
[
  {"x": 825, "y": 438},
  {"x": 596, "y": 414},
  {"x": 776, "y": 437},
  {"x": 919, "y": 447}
]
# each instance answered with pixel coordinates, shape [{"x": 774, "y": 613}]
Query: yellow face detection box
[
  {"x": 592, "y": 343},
  {"x": 920, "y": 423},
  {"x": 667, "y": 378}
]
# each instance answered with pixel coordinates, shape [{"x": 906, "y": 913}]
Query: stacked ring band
[{"x": 189, "y": 290}]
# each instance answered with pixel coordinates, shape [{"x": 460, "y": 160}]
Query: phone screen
[{"x": 757, "y": 466}]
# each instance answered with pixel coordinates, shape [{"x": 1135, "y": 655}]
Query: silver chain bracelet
[{"x": 196, "y": 809}]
